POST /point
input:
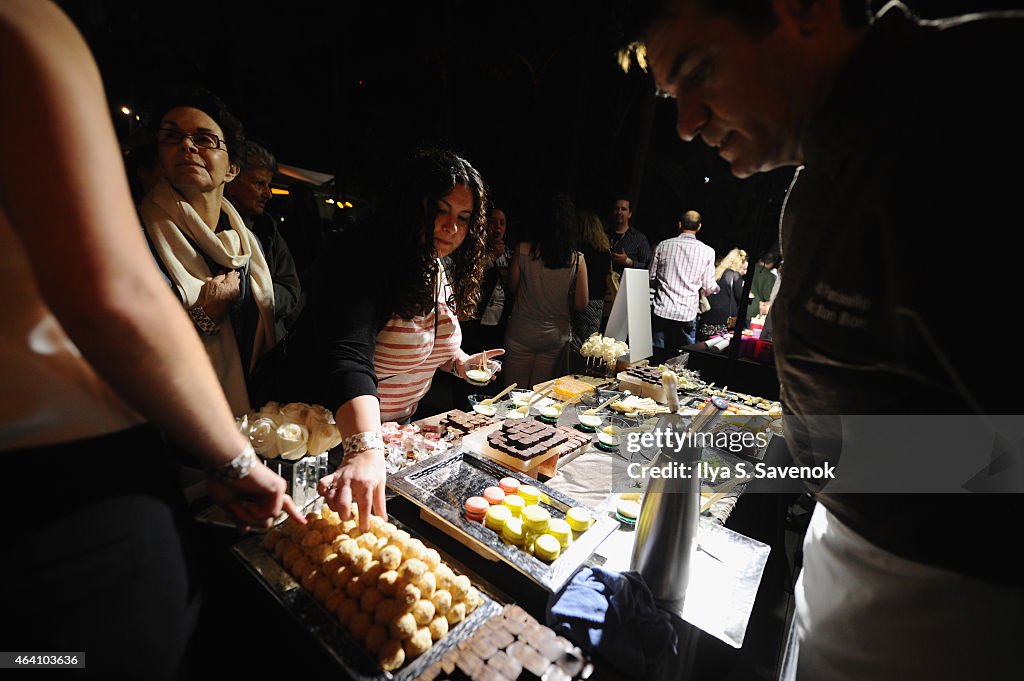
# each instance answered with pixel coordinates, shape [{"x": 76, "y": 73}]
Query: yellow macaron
[
  {"x": 579, "y": 519},
  {"x": 547, "y": 548},
  {"x": 515, "y": 504},
  {"x": 535, "y": 519},
  {"x": 497, "y": 516},
  {"x": 529, "y": 493},
  {"x": 513, "y": 532},
  {"x": 560, "y": 530}
]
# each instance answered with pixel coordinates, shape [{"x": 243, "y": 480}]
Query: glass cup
[
  {"x": 590, "y": 422},
  {"x": 517, "y": 409},
  {"x": 481, "y": 375},
  {"x": 478, "y": 405},
  {"x": 550, "y": 412},
  {"x": 611, "y": 433}
]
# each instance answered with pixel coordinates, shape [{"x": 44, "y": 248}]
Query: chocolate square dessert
[
  {"x": 526, "y": 439},
  {"x": 460, "y": 423}
]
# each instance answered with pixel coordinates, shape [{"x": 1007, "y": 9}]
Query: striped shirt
[
  {"x": 409, "y": 351},
  {"x": 681, "y": 267}
]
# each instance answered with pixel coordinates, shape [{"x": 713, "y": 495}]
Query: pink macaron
[
  {"x": 494, "y": 495},
  {"x": 476, "y": 508},
  {"x": 509, "y": 485}
]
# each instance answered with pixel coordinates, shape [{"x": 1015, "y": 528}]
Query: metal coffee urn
[{"x": 666, "y": 533}]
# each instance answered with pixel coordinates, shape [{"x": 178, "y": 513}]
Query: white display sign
[{"x": 630, "y": 318}]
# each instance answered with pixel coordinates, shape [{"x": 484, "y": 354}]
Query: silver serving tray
[
  {"x": 442, "y": 485},
  {"x": 350, "y": 654}
]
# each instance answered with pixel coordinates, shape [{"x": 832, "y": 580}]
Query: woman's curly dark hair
[
  {"x": 407, "y": 227},
  {"x": 210, "y": 104}
]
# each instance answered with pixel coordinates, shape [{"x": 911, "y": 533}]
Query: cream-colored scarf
[{"x": 168, "y": 220}]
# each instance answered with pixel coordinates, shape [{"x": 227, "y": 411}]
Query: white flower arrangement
[
  {"x": 291, "y": 431},
  {"x": 602, "y": 348}
]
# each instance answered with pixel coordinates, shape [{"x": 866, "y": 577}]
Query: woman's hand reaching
[{"x": 360, "y": 480}]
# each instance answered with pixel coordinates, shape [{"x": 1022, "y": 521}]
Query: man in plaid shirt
[{"x": 682, "y": 266}]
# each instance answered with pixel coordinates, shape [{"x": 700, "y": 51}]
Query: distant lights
[
  {"x": 330, "y": 201},
  {"x": 127, "y": 112},
  {"x": 707, "y": 180},
  {"x": 279, "y": 192},
  {"x": 348, "y": 204}
]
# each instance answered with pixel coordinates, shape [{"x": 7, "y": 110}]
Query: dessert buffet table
[{"x": 370, "y": 600}]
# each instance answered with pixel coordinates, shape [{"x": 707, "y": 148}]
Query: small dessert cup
[
  {"x": 589, "y": 420},
  {"x": 611, "y": 434},
  {"x": 479, "y": 404}
]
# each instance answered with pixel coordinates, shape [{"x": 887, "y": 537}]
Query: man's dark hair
[
  {"x": 256, "y": 156},
  {"x": 756, "y": 17},
  {"x": 212, "y": 106}
]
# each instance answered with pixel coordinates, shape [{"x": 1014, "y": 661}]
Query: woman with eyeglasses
[
  {"x": 214, "y": 263},
  {"x": 386, "y": 316}
]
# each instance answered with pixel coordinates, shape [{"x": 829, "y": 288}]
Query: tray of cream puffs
[{"x": 382, "y": 603}]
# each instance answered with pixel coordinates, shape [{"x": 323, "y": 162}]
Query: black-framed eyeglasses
[{"x": 203, "y": 140}]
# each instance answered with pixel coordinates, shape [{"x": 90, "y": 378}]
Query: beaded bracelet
[
  {"x": 360, "y": 442},
  {"x": 236, "y": 469},
  {"x": 202, "y": 320}
]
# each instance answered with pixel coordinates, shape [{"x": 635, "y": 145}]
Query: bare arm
[
  {"x": 582, "y": 284},
  {"x": 514, "y": 268},
  {"x": 360, "y": 477},
  {"x": 65, "y": 192}
]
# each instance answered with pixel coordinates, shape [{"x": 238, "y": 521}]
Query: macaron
[
  {"x": 529, "y": 493},
  {"x": 560, "y": 530},
  {"x": 509, "y": 485},
  {"x": 515, "y": 504},
  {"x": 579, "y": 519},
  {"x": 547, "y": 548},
  {"x": 494, "y": 495},
  {"x": 535, "y": 519},
  {"x": 476, "y": 508},
  {"x": 496, "y": 517},
  {"x": 627, "y": 512},
  {"x": 513, "y": 532}
]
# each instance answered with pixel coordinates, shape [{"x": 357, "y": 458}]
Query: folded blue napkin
[{"x": 614, "y": 614}]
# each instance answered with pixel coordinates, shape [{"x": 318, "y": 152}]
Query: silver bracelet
[
  {"x": 202, "y": 320},
  {"x": 236, "y": 469},
  {"x": 360, "y": 442}
]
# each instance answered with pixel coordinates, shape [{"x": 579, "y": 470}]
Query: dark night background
[{"x": 529, "y": 91}]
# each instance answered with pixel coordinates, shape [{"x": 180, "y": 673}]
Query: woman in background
[
  {"x": 549, "y": 279},
  {"x": 487, "y": 328},
  {"x": 592, "y": 242},
  {"x": 725, "y": 303},
  {"x": 215, "y": 263}
]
